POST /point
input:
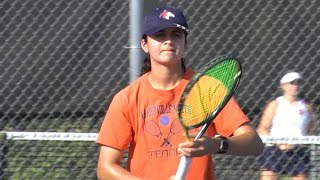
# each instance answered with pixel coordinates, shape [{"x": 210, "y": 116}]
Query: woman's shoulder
[
  {"x": 133, "y": 86},
  {"x": 273, "y": 104},
  {"x": 307, "y": 104}
]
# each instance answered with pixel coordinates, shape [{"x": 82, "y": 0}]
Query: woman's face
[
  {"x": 166, "y": 46},
  {"x": 291, "y": 88}
]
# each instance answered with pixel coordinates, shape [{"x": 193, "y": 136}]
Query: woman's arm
[
  {"x": 245, "y": 141},
  {"x": 312, "y": 126},
  {"x": 109, "y": 165},
  {"x": 267, "y": 117}
]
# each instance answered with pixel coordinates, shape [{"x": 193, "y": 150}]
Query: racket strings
[
  {"x": 208, "y": 102},
  {"x": 209, "y": 93}
]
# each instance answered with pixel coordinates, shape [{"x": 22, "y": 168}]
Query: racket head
[{"x": 208, "y": 91}]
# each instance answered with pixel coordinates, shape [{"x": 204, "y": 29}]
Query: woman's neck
[
  {"x": 291, "y": 99},
  {"x": 165, "y": 78}
]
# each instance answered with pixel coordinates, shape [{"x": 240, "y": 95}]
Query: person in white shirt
[{"x": 286, "y": 116}]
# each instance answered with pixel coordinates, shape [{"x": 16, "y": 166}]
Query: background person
[{"x": 286, "y": 116}]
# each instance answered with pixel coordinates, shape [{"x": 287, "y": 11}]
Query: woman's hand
[{"x": 201, "y": 147}]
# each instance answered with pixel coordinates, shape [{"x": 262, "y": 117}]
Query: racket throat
[{"x": 186, "y": 133}]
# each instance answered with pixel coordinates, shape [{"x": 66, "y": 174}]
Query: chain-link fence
[{"x": 61, "y": 61}]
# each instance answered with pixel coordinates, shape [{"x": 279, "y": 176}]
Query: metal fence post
[{"x": 135, "y": 16}]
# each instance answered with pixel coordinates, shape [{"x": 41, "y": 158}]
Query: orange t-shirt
[{"x": 145, "y": 119}]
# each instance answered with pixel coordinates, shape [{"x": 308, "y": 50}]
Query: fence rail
[{"x": 56, "y": 155}]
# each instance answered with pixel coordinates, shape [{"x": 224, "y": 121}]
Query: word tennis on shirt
[{"x": 163, "y": 153}]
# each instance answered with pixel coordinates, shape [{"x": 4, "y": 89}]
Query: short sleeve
[
  {"x": 230, "y": 118},
  {"x": 116, "y": 129}
]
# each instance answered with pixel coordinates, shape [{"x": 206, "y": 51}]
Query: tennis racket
[{"x": 204, "y": 97}]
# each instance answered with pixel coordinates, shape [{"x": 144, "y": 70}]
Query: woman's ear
[{"x": 144, "y": 45}]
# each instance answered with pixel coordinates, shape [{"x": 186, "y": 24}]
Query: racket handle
[{"x": 183, "y": 168}]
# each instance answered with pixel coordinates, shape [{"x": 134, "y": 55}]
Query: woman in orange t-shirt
[{"x": 143, "y": 116}]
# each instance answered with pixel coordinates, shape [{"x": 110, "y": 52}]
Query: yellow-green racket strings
[{"x": 208, "y": 94}]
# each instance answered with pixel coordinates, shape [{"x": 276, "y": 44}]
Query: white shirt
[{"x": 290, "y": 120}]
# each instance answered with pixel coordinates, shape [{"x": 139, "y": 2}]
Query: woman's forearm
[
  {"x": 114, "y": 171},
  {"x": 245, "y": 144}
]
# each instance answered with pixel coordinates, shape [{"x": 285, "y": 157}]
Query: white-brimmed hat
[{"x": 289, "y": 77}]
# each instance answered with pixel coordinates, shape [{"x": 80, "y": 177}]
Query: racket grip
[{"x": 183, "y": 168}]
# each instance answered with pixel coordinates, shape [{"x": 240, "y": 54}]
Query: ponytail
[{"x": 146, "y": 65}]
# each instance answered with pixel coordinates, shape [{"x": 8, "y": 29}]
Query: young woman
[
  {"x": 143, "y": 116},
  {"x": 286, "y": 116}
]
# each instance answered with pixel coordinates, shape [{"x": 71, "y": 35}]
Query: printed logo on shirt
[
  {"x": 163, "y": 153},
  {"x": 303, "y": 112},
  {"x": 162, "y": 126},
  {"x": 162, "y": 109},
  {"x": 154, "y": 129},
  {"x": 158, "y": 109}
]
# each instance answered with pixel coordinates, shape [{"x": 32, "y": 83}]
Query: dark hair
[{"x": 146, "y": 65}]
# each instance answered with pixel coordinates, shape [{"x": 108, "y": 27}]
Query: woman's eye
[{"x": 178, "y": 34}]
